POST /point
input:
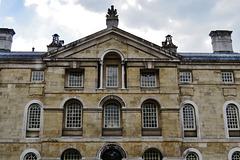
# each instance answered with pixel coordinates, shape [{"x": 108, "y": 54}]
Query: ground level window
[
  {"x": 152, "y": 154},
  {"x": 191, "y": 156},
  {"x": 30, "y": 156},
  {"x": 236, "y": 156},
  {"x": 71, "y": 155}
]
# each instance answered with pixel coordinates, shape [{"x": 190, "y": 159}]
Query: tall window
[
  {"x": 192, "y": 156},
  {"x": 148, "y": 79},
  {"x": 30, "y": 156},
  {"x": 75, "y": 78},
  {"x": 73, "y": 115},
  {"x": 188, "y": 118},
  {"x": 152, "y": 154},
  {"x": 37, "y": 76},
  {"x": 112, "y": 76},
  {"x": 71, "y": 154},
  {"x": 236, "y": 155},
  {"x": 185, "y": 77},
  {"x": 232, "y": 117},
  {"x": 34, "y": 114},
  {"x": 111, "y": 115},
  {"x": 227, "y": 77},
  {"x": 150, "y": 115}
]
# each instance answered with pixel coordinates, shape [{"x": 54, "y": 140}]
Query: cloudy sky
[{"x": 188, "y": 21}]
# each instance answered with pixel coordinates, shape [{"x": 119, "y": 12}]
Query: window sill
[
  {"x": 73, "y": 88},
  {"x": 151, "y": 132},
  {"x": 72, "y": 132},
  {"x": 150, "y": 88},
  {"x": 112, "y": 131}
]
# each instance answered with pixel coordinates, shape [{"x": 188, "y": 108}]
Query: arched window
[
  {"x": 150, "y": 115},
  {"x": 71, "y": 154},
  {"x": 152, "y": 154},
  {"x": 112, "y": 70},
  {"x": 151, "y": 119},
  {"x": 32, "y": 120},
  {"x": 72, "y": 118},
  {"x": 34, "y": 114},
  {"x": 30, "y": 156},
  {"x": 231, "y": 118},
  {"x": 236, "y": 155},
  {"x": 189, "y": 119},
  {"x": 112, "y": 115},
  {"x": 192, "y": 156}
]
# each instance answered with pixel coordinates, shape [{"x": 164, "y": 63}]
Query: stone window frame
[
  {"x": 102, "y": 69},
  {"x": 25, "y": 130},
  {"x": 31, "y": 150},
  {"x": 37, "y": 76},
  {"x": 188, "y": 79},
  {"x": 188, "y": 102},
  {"x": 227, "y": 130},
  {"x": 228, "y": 77},
  {"x": 192, "y": 150},
  {"x": 108, "y": 99},
  {"x": 71, "y": 131},
  {"x": 232, "y": 151},
  {"x": 67, "y": 76}
]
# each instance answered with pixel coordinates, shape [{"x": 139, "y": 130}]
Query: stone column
[
  {"x": 101, "y": 75},
  {"x": 123, "y": 75}
]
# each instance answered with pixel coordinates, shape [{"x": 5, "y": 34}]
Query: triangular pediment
[{"x": 93, "y": 46}]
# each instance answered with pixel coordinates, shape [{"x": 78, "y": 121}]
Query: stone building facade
[{"x": 113, "y": 95}]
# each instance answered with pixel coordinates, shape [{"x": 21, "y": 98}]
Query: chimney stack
[
  {"x": 221, "y": 41},
  {"x": 112, "y": 17},
  {"x": 6, "y": 36}
]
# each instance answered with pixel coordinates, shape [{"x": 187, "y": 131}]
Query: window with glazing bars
[
  {"x": 148, "y": 79},
  {"x": 227, "y": 77},
  {"x": 112, "y": 76},
  {"x": 30, "y": 156},
  {"x": 191, "y": 156},
  {"x": 71, "y": 155},
  {"x": 37, "y": 76},
  {"x": 185, "y": 77},
  {"x": 75, "y": 79},
  {"x": 34, "y": 113},
  {"x": 188, "y": 118},
  {"x": 149, "y": 115},
  {"x": 152, "y": 154},
  {"x": 232, "y": 117},
  {"x": 111, "y": 116},
  {"x": 236, "y": 156},
  {"x": 73, "y": 115}
]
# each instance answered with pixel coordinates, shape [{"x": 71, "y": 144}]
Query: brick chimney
[
  {"x": 6, "y": 36},
  {"x": 221, "y": 41},
  {"x": 112, "y": 17}
]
